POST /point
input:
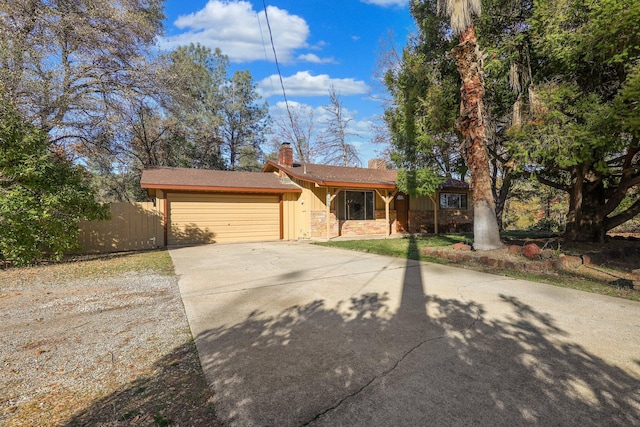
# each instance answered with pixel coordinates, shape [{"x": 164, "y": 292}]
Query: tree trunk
[
  {"x": 588, "y": 228},
  {"x": 471, "y": 124},
  {"x": 585, "y": 221},
  {"x": 501, "y": 199}
]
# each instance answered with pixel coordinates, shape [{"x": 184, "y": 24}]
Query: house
[{"x": 290, "y": 201}]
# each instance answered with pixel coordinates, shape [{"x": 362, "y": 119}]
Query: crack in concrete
[
  {"x": 389, "y": 370},
  {"x": 382, "y": 375},
  {"x": 473, "y": 308}
]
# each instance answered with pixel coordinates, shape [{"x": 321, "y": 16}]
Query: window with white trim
[
  {"x": 453, "y": 201},
  {"x": 355, "y": 205}
]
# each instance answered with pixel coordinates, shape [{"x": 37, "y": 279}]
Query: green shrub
[{"x": 43, "y": 196}]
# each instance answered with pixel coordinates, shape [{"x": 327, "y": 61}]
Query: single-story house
[{"x": 293, "y": 201}]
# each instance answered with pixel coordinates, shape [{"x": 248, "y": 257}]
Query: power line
[
  {"x": 264, "y": 47},
  {"x": 275, "y": 56}
]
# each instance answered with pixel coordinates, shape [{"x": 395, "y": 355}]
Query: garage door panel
[{"x": 206, "y": 218}]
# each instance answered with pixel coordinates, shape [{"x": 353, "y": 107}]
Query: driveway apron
[{"x": 294, "y": 334}]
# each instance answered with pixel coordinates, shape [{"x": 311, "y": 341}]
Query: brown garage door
[{"x": 210, "y": 218}]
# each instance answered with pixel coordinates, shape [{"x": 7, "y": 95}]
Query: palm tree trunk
[{"x": 471, "y": 124}]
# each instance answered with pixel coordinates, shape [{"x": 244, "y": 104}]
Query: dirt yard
[{"x": 100, "y": 342}]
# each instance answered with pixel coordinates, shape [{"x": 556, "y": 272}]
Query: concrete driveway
[{"x": 295, "y": 334}]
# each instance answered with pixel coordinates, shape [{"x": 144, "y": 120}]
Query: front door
[{"x": 402, "y": 213}]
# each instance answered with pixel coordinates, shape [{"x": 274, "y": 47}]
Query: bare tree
[
  {"x": 333, "y": 145},
  {"x": 297, "y": 127},
  {"x": 64, "y": 62},
  {"x": 382, "y": 136}
]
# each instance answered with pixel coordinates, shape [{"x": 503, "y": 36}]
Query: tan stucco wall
[
  {"x": 289, "y": 216},
  {"x": 304, "y": 215}
]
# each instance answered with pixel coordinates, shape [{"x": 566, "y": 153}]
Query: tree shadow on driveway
[{"x": 433, "y": 360}]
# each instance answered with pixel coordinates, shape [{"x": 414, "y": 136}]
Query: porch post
[
  {"x": 387, "y": 201},
  {"x": 434, "y": 199},
  {"x": 330, "y": 198}
]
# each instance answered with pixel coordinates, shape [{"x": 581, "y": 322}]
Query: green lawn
[
  {"x": 404, "y": 247},
  {"x": 409, "y": 248}
]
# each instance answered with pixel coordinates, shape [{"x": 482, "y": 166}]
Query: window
[
  {"x": 355, "y": 205},
  {"x": 453, "y": 201}
]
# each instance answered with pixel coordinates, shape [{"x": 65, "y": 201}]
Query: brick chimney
[
  {"x": 285, "y": 156},
  {"x": 377, "y": 164}
]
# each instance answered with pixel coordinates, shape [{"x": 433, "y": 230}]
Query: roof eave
[
  {"x": 270, "y": 167},
  {"x": 166, "y": 187},
  {"x": 357, "y": 185},
  {"x": 301, "y": 177}
]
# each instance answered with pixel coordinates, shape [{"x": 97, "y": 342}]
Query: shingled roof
[
  {"x": 338, "y": 176},
  {"x": 451, "y": 183},
  {"x": 341, "y": 176},
  {"x": 166, "y": 178}
]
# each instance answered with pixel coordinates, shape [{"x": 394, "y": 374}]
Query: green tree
[
  {"x": 583, "y": 136},
  {"x": 192, "y": 115},
  {"x": 195, "y": 83},
  {"x": 425, "y": 129},
  {"x": 424, "y": 84},
  {"x": 243, "y": 122},
  {"x": 472, "y": 120},
  {"x": 43, "y": 196},
  {"x": 419, "y": 182},
  {"x": 503, "y": 31}
]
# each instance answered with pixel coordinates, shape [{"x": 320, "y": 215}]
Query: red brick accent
[
  {"x": 285, "y": 155},
  {"x": 318, "y": 225},
  {"x": 449, "y": 220}
]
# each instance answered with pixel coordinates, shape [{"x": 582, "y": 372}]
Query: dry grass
[{"x": 99, "y": 341}]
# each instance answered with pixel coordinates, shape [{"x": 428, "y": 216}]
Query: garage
[
  {"x": 201, "y": 206},
  {"x": 220, "y": 218}
]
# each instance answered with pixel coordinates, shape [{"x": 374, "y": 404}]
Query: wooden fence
[{"x": 133, "y": 226}]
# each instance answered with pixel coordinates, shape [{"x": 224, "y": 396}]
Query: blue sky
[{"x": 319, "y": 44}]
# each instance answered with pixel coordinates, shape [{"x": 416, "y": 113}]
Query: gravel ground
[{"x": 107, "y": 349}]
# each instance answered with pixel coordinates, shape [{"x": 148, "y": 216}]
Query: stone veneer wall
[
  {"x": 369, "y": 227},
  {"x": 351, "y": 227},
  {"x": 318, "y": 224},
  {"x": 449, "y": 221}
]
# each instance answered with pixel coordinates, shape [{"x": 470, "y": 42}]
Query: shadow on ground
[
  {"x": 175, "y": 394},
  {"x": 441, "y": 360},
  {"x": 363, "y": 363}
]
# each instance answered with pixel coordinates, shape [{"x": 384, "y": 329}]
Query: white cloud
[
  {"x": 312, "y": 57},
  {"x": 304, "y": 84},
  {"x": 234, "y": 27},
  {"x": 386, "y": 3},
  {"x": 364, "y": 128}
]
